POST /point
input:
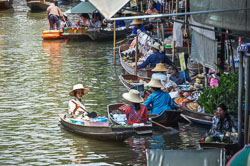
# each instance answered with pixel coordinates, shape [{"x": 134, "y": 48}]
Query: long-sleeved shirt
[
  {"x": 179, "y": 78},
  {"x": 72, "y": 106},
  {"x": 158, "y": 102},
  {"x": 221, "y": 126},
  {"x": 141, "y": 27},
  {"x": 155, "y": 58}
]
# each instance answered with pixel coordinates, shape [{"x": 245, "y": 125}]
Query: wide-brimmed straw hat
[
  {"x": 160, "y": 67},
  {"x": 155, "y": 45},
  {"x": 155, "y": 83},
  {"x": 136, "y": 22},
  {"x": 133, "y": 96},
  {"x": 78, "y": 86}
]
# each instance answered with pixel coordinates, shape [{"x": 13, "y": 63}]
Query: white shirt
[{"x": 72, "y": 106}]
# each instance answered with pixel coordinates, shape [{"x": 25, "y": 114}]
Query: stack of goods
[{"x": 181, "y": 100}]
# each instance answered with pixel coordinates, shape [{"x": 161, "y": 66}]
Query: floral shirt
[{"x": 221, "y": 126}]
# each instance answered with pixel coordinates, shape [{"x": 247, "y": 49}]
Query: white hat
[
  {"x": 155, "y": 45},
  {"x": 133, "y": 96},
  {"x": 156, "y": 83},
  {"x": 136, "y": 22},
  {"x": 78, "y": 86}
]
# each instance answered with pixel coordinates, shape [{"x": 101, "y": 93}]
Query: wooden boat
[
  {"x": 194, "y": 116},
  {"x": 96, "y": 131},
  {"x": 39, "y": 5},
  {"x": 75, "y": 33},
  {"x": 167, "y": 118},
  {"x": 241, "y": 157},
  {"x": 52, "y": 34},
  {"x": 128, "y": 66},
  {"x": 140, "y": 130},
  {"x": 6, "y": 4},
  {"x": 105, "y": 34}
]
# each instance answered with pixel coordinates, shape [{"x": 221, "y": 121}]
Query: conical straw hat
[
  {"x": 133, "y": 96},
  {"x": 160, "y": 67},
  {"x": 136, "y": 22},
  {"x": 156, "y": 83},
  {"x": 155, "y": 45}
]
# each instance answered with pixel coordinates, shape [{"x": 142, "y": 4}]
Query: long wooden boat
[
  {"x": 39, "y": 5},
  {"x": 105, "y": 34},
  {"x": 75, "y": 33},
  {"x": 6, "y": 4},
  {"x": 167, "y": 118},
  {"x": 197, "y": 117},
  {"x": 128, "y": 66},
  {"x": 99, "y": 132},
  {"x": 140, "y": 130}
]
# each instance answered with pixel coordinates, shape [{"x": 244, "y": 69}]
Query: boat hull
[
  {"x": 104, "y": 133},
  {"x": 98, "y": 34},
  {"x": 6, "y": 4}
]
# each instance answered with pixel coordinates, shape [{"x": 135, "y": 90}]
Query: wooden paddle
[
  {"x": 184, "y": 117},
  {"x": 168, "y": 128},
  {"x": 91, "y": 115},
  {"x": 121, "y": 41}
]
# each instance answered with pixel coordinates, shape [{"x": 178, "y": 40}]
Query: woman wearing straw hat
[
  {"x": 160, "y": 73},
  {"x": 135, "y": 112},
  {"x": 75, "y": 103},
  {"x": 158, "y": 101},
  {"x": 138, "y": 25},
  {"x": 155, "y": 58}
]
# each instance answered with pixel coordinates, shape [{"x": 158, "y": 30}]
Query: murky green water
[{"x": 36, "y": 77}]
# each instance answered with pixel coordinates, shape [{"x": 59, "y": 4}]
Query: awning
[
  {"x": 108, "y": 8},
  {"x": 82, "y": 7}
]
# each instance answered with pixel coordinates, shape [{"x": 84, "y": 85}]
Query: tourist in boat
[
  {"x": 152, "y": 9},
  {"x": 160, "y": 72},
  {"x": 95, "y": 21},
  {"x": 158, "y": 101},
  {"x": 137, "y": 26},
  {"x": 66, "y": 22},
  {"x": 155, "y": 58},
  {"x": 135, "y": 112},
  {"x": 54, "y": 15},
  {"x": 75, "y": 103},
  {"x": 84, "y": 22},
  {"x": 222, "y": 122}
]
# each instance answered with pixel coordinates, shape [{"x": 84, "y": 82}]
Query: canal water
[{"x": 36, "y": 77}]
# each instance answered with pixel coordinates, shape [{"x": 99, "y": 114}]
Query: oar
[
  {"x": 168, "y": 128},
  {"x": 91, "y": 114},
  {"x": 121, "y": 41},
  {"x": 186, "y": 118}
]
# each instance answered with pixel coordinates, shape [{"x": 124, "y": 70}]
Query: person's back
[{"x": 54, "y": 15}]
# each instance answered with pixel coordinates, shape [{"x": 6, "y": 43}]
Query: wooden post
[
  {"x": 136, "y": 53},
  {"x": 177, "y": 6},
  {"x": 114, "y": 43},
  {"x": 173, "y": 52}
]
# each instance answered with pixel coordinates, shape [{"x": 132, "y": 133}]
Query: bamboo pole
[
  {"x": 136, "y": 53},
  {"x": 114, "y": 59},
  {"x": 177, "y": 6}
]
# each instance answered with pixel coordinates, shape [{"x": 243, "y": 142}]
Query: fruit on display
[{"x": 209, "y": 139}]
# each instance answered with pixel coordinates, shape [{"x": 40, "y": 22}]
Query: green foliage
[{"x": 226, "y": 92}]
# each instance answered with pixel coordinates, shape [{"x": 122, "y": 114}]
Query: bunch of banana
[{"x": 198, "y": 81}]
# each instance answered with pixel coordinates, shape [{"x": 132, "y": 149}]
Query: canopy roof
[
  {"x": 108, "y": 8},
  {"x": 82, "y": 7}
]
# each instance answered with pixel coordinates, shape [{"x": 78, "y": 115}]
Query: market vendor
[
  {"x": 75, "y": 103},
  {"x": 135, "y": 112},
  {"x": 155, "y": 58},
  {"x": 158, "y": 101},
  {"x": 222, "y": 122},
  {"x": 137, "y": 25},
  {"x": 54, "y": 14},
  {"x": 160, "y": 72},
  {"x": 85, "y": 21},
  {"x": 178, "y": 76}
]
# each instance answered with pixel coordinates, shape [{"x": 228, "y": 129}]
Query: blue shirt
[
  {"x": 154, "y": 59},
  {"x": 141, "y": 27},
  {"x": 179, "y": 78},
  {"x": 158, "y": 102},
  {"x": 120, "y": 23}
]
